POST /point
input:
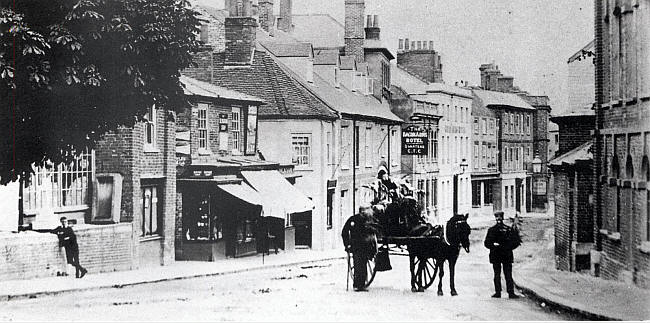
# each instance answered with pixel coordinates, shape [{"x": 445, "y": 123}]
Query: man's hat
[
  {"x": 364, "y": 206},
  {"x": 63, "y": 218},
  {"x": 382, "y": 170},
  {"x": 498, "y": 214}
]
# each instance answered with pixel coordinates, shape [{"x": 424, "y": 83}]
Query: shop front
[{"x": 228, "y": 213}]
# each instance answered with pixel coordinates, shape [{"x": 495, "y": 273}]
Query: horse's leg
[
  {"x": 442, "y": 273},
  {"x": 421, "y": 267},
  {"x": 452, "y": 271},
  {"x": 412, "y": 268}
]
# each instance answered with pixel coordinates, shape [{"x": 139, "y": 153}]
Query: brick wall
[
  {"x": 123, "y": 152},
  {"x": 240, "y": 40},
  {"x": 354, "y": 31},
  {"x": 573, "y": 132},
  {"x": 102, "y": 248},
  {"x": 424, "y": 63}
]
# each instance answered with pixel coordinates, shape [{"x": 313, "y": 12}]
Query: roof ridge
[{"x": 322, "y": 15}]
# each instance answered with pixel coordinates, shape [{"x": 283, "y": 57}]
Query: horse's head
[{"x": 458, "y": 231}]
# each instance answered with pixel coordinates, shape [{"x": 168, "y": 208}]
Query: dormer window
[{"x": 150, "y": 128}]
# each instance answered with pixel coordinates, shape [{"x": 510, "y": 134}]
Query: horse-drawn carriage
[{"x": 401, "y": 229}]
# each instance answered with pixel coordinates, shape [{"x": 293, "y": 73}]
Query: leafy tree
[{"x": 71, "y": 70}]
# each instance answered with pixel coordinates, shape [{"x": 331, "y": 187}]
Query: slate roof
[
  {"x": 322, "y": 30},
  {"x": 285, "y": 97},
  {"x": 580, "y": 153},
  {"x": 412, "y": 84},
  {"x": 536, "y": 100},
  {"x": 217, "y": 14},
  {"x": 326, "y": 56},
  {"x": 494, "y": 98},
  {"x": 195, "y": 87},
  {"x": 345, "y": 101},
  {"x": 288, "y": 49}
]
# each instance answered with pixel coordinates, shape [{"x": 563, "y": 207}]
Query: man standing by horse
[
  {"x": 501, "y": 240},
  {"x": 360, "y": 238}
]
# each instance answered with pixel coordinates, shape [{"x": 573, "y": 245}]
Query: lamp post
[{"x": 538, "y": 180}]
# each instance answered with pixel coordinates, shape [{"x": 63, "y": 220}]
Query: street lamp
[{"x": 537, "y": 164}]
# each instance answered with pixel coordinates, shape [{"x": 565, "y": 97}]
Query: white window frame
[
  {"x": 235, "y": 130},
  {"x": 151, "y": 128},
  {"x": 367, "y": 140},
  {"x": 301, "y": 149},
  {"x": 147, "y": 226},
  {"x": 202, "y": 127}
]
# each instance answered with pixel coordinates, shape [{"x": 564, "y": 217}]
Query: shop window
[
  {"x": 506, "y": 199},
  {"x": 244, "y": 231},
  {"x": 203, "y": 223},
  {"x": 151, "y": 211}
]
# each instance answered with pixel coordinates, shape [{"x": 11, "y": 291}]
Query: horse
[{"x": 442, "y": 248}]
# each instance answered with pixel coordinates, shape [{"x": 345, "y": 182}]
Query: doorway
[{"x": 302, "y": 223}]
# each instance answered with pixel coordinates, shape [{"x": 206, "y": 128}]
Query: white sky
[{"x": 530, "y": 40}]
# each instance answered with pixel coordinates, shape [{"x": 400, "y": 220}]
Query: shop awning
[
  {"x": 243, "y": 192},
  {"x": 279, "y": 197}
]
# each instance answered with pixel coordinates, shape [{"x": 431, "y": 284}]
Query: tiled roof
[
  {"x": 326, "y": 56},
  {"x": 195, "y": 87},
  {"x": 345, "y": 101},
  {"x": 288, "y": 49},
  {"x": 285, "y": 97},
  {"x": 321, "y": 30},
  {"x": 494, "y": 98},
  {"x": 217, "y": 14},
  {"x": 580, "y": 153}
]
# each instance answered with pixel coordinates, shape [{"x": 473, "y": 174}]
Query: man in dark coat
[
  {"x": 359, "y": 238},
  {"x": 500, "y": 245},
  {"x": 68, "y": 240}
]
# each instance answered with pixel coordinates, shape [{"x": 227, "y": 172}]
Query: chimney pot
[
  {"x": 400, "y": 44},
  {"x": 369, "y": 21},
  {"x": 376, "y": 21},
  {"x": 406, "y": 44},
  {"x": 431, "y": 44}
]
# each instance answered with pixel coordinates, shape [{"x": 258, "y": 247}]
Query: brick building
[
  {"x": 573, "y": 184},
  {"x": 622, "y": 141},
  {"x": 420, "y": 58}
]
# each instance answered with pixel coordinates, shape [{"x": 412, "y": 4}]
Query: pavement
[{"x": 579, "y": 293}]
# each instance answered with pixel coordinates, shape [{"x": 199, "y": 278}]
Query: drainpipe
[
  {"x": 354, "y": 166},
  {"x": 388, "y": 166},
  {"x": 21, "y": 213}
]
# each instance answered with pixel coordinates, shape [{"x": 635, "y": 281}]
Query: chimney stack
[
  {"x": 240, "y": 33},
  {"x": 372, "y": 27},
  {"x": 406, "y": 44},
  {"x": 354, "y": 33},
  {"x": 267, "y": 19},
  {"x": 285, "y": 22}
]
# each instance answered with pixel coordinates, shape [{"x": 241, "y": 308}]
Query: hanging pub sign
[{"x": 414, "y": 141}]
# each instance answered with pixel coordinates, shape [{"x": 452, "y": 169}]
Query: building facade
[
  {"x": 514, "y": 132},
  {"x": 485, "y": 159},
  {"x": 622, "y": 141},
  {"x": 444, "y": 112}
]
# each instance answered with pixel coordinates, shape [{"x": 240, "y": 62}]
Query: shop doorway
[{"x": 302, "y": 223}]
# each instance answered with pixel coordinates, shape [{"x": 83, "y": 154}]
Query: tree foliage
[{"x": 72, "y": 70}]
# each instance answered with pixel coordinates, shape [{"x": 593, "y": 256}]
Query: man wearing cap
[
  {"x": 360, "y": 238},
  {"x": 68, "y": 240},
  {"x": 498, "y": 241}
]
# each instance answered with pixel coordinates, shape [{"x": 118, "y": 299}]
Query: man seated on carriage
[{"x": 360, "y": 238}]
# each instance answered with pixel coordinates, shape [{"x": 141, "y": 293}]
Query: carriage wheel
[
  {"x": 370, "y": 265},
  {"x": 425, "y": 272}
]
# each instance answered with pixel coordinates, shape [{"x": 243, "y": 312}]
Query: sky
[{"x": 530, "y": 40}]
